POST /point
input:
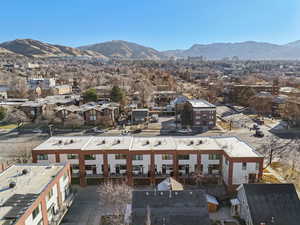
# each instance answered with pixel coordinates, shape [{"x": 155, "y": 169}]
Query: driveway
[{"x": 86, "y": 209}]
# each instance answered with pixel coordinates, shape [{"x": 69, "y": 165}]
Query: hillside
[
  {"x": 34, "y": 48},
  {"x": 243, "y": 50},
  {"x": 124, "y": 49}
]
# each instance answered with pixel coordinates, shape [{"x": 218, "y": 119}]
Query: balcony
[{"x": 59, "y": 215}]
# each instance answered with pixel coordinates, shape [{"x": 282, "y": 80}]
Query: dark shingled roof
[
  {"x": 170, "y": 207},
  {"x": 279, "y": 201}
]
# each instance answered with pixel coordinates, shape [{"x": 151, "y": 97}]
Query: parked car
[
  {"x": 125, "y": 132},
  {"x": 94, "y": 130},
  {"x": 136, "y": 131},
  {"x": 258, "y": 121},
  {"x": 154, "y": 118},
  {"x": 259, "y": 133},
  {"x": 37, "y": 131},
  {"x": 184, "y": 131}
]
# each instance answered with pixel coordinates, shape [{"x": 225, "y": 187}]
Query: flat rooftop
[
  {"x": 200, "y": 103},
  {"x": 233, "y": 146},
  {"x": 14, "y": 201}
]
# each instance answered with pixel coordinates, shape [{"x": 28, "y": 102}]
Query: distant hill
[
  {"x": 124, "y": 49},
  {"x": 243, "y": 50},
  {"x": 34, "y": 48}
]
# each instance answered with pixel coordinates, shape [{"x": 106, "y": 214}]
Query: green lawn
[{"x": 8, "y": 126}]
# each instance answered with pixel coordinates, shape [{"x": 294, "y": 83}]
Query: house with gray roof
[
  {"x": 269, "y": 204},
  {"x": 170, "y": 208}
]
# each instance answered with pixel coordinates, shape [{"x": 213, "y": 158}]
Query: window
[
  {"x": 214, "y": 156},
  {"x": 120, "y": 156},
  {"x": 244, "y": 166},
  {"x": 72, "y": 156},
  {"x": 35, "y": 212},
  {"x": 226, "y": 161},
  {"x": 213, "y": 169},
  {"x": 183, "y": 167},
  {"x": 257, "y": 166},
  {"x": 137, "y": 157},
  {"x": 169, "y": 167},
  {"x": 92, "y": 115},
  {"x": 90, "y": 167},
  {"x": 50, "y": 194},
  {"x": 183, "y": 157},
  {"x": 75, "y": 167},
  {"x": 89, "y": 157},
  {"x": 121, "y": 167},
  {"x": 42, "y": 157},
  {"x": 167, "y": 157}
]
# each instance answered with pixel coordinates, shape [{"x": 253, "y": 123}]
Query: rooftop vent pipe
[{"x": 12, "y": 184}]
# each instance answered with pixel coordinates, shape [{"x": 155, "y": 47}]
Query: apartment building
[
  {"x": 198, "y": 114},
  {"x": 152, "y": 159},
  {"x": 43, "y": 83},
  {"x": 35, "y": 194}
]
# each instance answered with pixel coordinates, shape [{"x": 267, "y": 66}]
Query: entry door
[
  {"x": 252, "y": 178},
  {"x": 117, "y": 169},
  {"x": 187, "y": 169},
  {"x": 164, "y": 169}
]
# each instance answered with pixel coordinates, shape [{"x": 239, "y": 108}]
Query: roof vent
[
  {"x": 103, "y": 142},
  {"x": 200, "y": 142},
  {"x": 191, "y": 192},
  {"x": 118, "y": 141},
  {"x": 147, "y": 193},
  {"x": 176, "y": 193},
  {"x": 12, "y": 184},
  {"x": 60, "y": 142},
  {"x": 159, "y": 143},
  {"x": 147, "y": 142},
  {"x": 24, "y": 171},
  {"x": 191, "y": 142},
  {"x": 71, "y": 141},
  {"x": 161, "y": 193}
]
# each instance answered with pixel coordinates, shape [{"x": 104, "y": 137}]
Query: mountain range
[{"x": 128, "y": 50}]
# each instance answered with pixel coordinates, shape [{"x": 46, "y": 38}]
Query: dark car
[
  {"x": 259, "y": 133},
  {"x": 258, "y": 121},
  {"x": 136, "y": 131}
]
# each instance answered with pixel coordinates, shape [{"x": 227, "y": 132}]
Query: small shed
[
  {"x": 169, "y": 184},
  {"x": 212, "y": 203}
]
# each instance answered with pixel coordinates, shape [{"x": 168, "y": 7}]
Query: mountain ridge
[
  {"x": 34, "y": 48},
  {"x": 248, "y": 50}
]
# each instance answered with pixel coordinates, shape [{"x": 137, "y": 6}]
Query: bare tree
[
  {"x": 16, "y": 116},
  {"x": 198, "y": 177},
  {"x": 275, "y": 147},
  {"x": 115, "y": 196},
  {"x": 291, "y": 112},
  {"x": 22, "y": 153},
  {"x": 261, "y": 104}
]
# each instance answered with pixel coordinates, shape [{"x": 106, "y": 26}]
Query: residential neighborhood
[{"x": 150, "y": 112}]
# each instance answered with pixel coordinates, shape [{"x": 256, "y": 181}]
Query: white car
[{"x": 184, "y": 131}]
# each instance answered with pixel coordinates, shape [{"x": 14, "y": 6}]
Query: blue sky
[{"x": 161, "y": 24}]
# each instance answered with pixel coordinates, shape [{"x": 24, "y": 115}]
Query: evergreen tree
[
  {"x": 90, "y": 95},
  {"x": 116, "y": 94}
]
